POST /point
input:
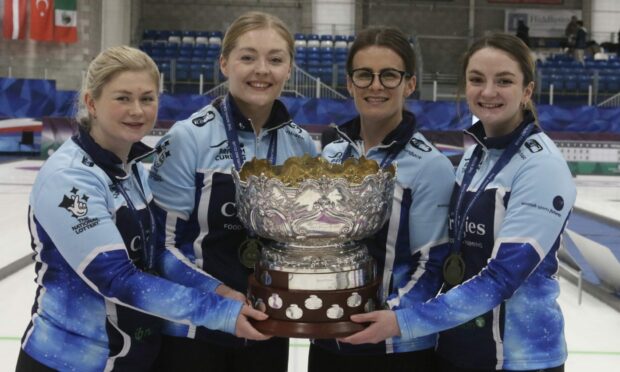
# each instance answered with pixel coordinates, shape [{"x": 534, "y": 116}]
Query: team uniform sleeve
[
  {"x": 542, "y": 196},
  {"x": 72, "y": 207},
  {"x": 173, "y": 183},
  {"x": 428, "y": 233}
]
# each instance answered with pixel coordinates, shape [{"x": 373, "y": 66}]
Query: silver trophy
[{"x": 316, "y": 273}]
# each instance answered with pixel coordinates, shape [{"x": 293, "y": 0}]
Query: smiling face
[
  {"x": 124, "y": 112},
  {"x": 495, "y": 91},
  {"x": 257, "y": 68},
  {"x": 376, "y": 104}
]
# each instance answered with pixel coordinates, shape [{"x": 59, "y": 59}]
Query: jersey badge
[
  {"x": 420, "y": 145},
  {"x": 204, "y": 119},
  {"x": 533, "y": 146}
]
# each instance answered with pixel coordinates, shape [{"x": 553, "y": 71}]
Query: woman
[
  {"x": 195, "y": 194},
  {"x": 410, "y": 249},
  {"x": 98, "y": 298},
  {"x": 512, "y": 199}
]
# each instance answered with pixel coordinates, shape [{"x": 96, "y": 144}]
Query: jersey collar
[
  {"x": 477, "y": 132},
  {"x": 396, "y": 138},
  {"x": 278, "y": 117},
  {"x": 105, "y": 159}
]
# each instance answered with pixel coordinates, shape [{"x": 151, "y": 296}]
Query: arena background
[{"x": 38, "y": 81}]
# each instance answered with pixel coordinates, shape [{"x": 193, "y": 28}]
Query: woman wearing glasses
[
  {"x": 511, "y": 202},
  {"x": 411, "y": 247}
]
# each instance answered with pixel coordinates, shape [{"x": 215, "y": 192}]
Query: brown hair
[
  {"x": 104, "y": 68},
  {"x": 387, "y": 37},
  {"x": 515, "y": 48}
]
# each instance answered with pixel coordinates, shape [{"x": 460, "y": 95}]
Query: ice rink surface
[{"x": 592, "y": 327}]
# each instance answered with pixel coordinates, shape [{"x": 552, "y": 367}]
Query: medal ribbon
[
  {"x": 470, "y": 171},
  {"x": 233, "y": 138},
  {"x": 148, "y": 249}
]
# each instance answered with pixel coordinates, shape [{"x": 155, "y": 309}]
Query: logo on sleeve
[
  {"x": 420, "y": 145},
  {"x": 161, "y": 152},
  {"x": 295, "y": 131},
  {"x": 78, "y": 207},
  {"x": 558, "y": 203},
  {"x": 204, "y": 119},
  {"x": 533, "y": 146},
  {"x": 87, "y": 161}
]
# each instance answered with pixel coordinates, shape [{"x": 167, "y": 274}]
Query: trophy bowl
[{"x": 316, "y": 272}]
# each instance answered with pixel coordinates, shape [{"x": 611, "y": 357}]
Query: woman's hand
[
  {"x": 383, "y": 325},
  {"x": 244, "y": 329}
]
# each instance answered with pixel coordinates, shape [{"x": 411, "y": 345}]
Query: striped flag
[
  {"x": 65, "y": 21},
  {"x": 41, "y": 20},
  {"x": 14, "y": 19}
]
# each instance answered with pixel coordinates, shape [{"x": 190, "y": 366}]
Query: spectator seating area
[
  {"x": 182, "y": 56},
  {"x": 323, "y": 56},
  {"x": 570, "y": 77}
]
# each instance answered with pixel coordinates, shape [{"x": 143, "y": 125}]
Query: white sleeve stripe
[
  {"x": 522, "y": 240},
  {"x": 390, "y": 245}
]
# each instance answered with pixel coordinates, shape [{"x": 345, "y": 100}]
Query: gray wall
[
  {"x": 441, "y": 27},
  {"x": 61, "y": 62}
]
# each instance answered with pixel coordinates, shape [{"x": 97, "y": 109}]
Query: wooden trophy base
[{"x": 311, "y": 314}]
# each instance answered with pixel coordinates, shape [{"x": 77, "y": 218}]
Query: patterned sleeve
[
  {"x": 428, "y": 233},
  {"x": 72, "y": 209},
  {"x": 541, "y": 199},
  {"x": 173, "y": 182}
]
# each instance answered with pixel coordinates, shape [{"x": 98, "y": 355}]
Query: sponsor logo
[
  {"x": 412, "y": 154},
  {"x": 204, "y": 119},
  {"x": 87, "y": 161},
  {"x": 533, "y": 146},
  {"x": 470, "y": 227},
  {"x": 224, "y": 152},
  {"x": 229, "y": 209},
  {"x": 75, "y": 204},
  {"x": 78, "y": 207},
  {"x": 547, "y": 209},
  {"x": 161, "y": 153},
  {"x": 558, "y": 203},
  {"x": 420, "y": 145},
  {"x": 295, "y": 131},
  {"x": 335, "y": 158}
]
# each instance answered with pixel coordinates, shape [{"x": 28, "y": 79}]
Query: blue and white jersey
[
  {"x": 96, "y": 308},
  {"x": 410, "y": 249},
  {"x": 194, "y": 190},
  {"x": 505, "y": 315}
]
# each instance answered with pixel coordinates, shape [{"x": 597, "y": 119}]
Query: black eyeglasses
[{"x": 390, "y": 78}]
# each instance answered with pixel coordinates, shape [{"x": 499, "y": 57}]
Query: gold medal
[
  {"x": 454, "y": 269},
  {"x": 249, "y": 252}
]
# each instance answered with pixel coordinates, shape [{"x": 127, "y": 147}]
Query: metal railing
[
  {"x": 613, "y": 101},
  {"x": 300, "y": 84}
]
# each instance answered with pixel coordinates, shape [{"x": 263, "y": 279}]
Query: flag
[
  {"x": 14, "y": 19},
  {"x": 41, "y": 20},
  {"x": 65, "y": 21}
]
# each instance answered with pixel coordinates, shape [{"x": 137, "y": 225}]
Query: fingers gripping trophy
[{"x": 316, "y": 272}]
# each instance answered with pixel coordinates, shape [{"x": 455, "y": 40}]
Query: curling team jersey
[
  {"x": 194, "y": 190},
  {"x": 95, "y": 307},
  {"x": 505, "y": 315},
  {"x": 410, "y": 249}
]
